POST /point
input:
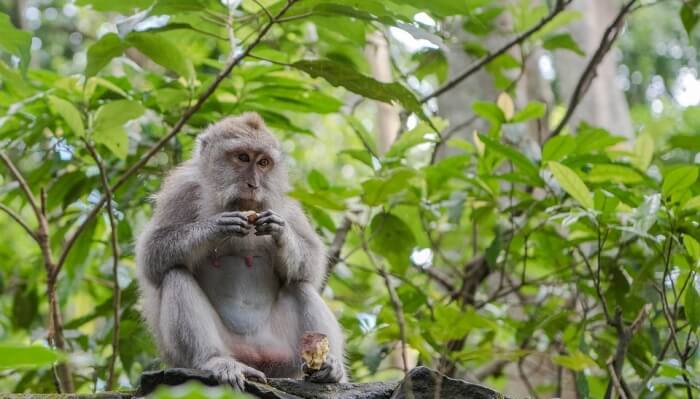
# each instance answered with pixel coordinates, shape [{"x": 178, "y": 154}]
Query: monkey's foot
[
  {"x": 228, "y": 371},
  {"x": 331, "y": 371}
]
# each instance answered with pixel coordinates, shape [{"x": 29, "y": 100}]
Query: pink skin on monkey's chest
[{"x": 216, "y": 261}]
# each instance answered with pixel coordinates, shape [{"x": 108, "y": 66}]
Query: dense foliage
[{"x": 581, "y": 253}]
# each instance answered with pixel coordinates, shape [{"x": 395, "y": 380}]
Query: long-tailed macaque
[{"x": 221, "y": 293}]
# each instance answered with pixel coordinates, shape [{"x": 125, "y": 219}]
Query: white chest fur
[{"x": 243, "y": 290}]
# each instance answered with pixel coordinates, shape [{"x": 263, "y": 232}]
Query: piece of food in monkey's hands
[
  {"x": 252, "y": 216},
  {"x": 314, "y": 349}
]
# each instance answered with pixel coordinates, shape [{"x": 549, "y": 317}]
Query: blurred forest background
[{"x": 508, "y": 188}]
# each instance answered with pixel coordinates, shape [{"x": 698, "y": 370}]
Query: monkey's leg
[
  {"x": 192, "y": 332},
  {"x": 314, "y": 315}
]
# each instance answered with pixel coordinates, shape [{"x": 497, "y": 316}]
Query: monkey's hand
[
  {"x": 228, "y": 371},
  {"x": 270, "y": 223},
  {"x": 331, "y": 371},
  {"x": 227, "y": 223}
]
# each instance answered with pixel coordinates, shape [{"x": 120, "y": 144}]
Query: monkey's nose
[{"x": 252, "y": 186}]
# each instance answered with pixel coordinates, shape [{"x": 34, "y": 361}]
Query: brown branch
[
  {"x": 341, "y": 233},
  {"x": 395, "y": 303},
  {"x": 117, "y": 294},
  {"x": 19, "y": 220},
  {"x": 22, "y": 185},
  {"x": 558, "y": 8},
  {"x": 55, "y": 328},
  {"x": 121, "y": 180},
  {"x": 589, "y": 73}
]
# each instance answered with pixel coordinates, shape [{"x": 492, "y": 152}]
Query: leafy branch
[
  {"x": 116, "y": 290},
  {"x": 558, "y": 8},
  {"x": 589, "y": 73}
]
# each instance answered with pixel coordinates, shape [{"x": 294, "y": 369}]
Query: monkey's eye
[
  {"x": 264, "y": 162},
  {"x": 244, "y": 157}
]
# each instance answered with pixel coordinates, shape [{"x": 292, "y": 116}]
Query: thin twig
[
  {"x": 589, "y": 73},
  {"x": 265, "y": 10},
  {"x": 616, "y": 381},
  {"x": 19, "y": 220},
  {"x": 341, "y": 233},
  {"x": 395, "y": 303},
  {"x": 22, "y": 184},
  {"x": 116, "y": 290},
  {"x": 121, "y": 180},
  {"x": 558, "y": 8}
]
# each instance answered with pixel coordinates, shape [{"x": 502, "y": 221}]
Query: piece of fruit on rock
[
  {"x": 314, "y": 349},
  {"x": 251, "y": 216}
]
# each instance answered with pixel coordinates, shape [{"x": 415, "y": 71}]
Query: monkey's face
[
  {"x": 241, "y": 163},
  {"x": 249, "y": 181},
  {"x": 241, "y": 175}
]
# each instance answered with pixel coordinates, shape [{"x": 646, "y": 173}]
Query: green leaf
[
  {"x": 562, "y": 41},
  {"x": 558, "y": 148},
  {"x": 520, "y": 161},
  {"x": 572, "y": 184},
  {"x": 577, "y": 361},
  {"x": 116, "y": 113},
  {"x": 392, "y": 238},
  {"x": 338, "y": 74},
  {"x": 177, "y": 6},
  {"x": 605, "y": 201},
  {"x": 124, "y": 6},
  {"x": 25, "y": 306},
  {"x": 116, "y": 139},
  {"x": 109, "y": 121},
  {"x": 69, "y": 113},
  {"x": 162, "y": 51},
  {"x": 361, "y": 155},
  {"x": 602, "y": 173},
  {"x": 692, "y": 304},
  {"x": 679, "y": 179},
  {"x": 422, "y": 133},
  {"x": 321, "y": 201},
  {"x": 643, "y": 152},
  {"x": 102, "y": 52},
  {"x": 689, "y": 16},
  {"x": 317, "y": 181},
  {"x": 17, "y": 356},
  {"x": 15, "y": 41},
  {"x": 693, "y": 203},
  {"x": 376, "y": 191},
  {"x": 489, "y": 111},
  {"x": 532, "y": 110},
  {"x": 692, "y": 246},
  {"x": 196, "y": 390}
]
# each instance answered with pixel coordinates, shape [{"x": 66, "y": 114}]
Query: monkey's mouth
[{"x": 244, "y": 204}]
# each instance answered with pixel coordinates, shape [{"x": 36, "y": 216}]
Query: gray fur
[{"x": 224, "y": 295}]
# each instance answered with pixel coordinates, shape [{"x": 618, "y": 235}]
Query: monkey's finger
[
  {"x": 238, "y": 383},
  {"x": 266, "y": 213},
  {"x": 254, "y": 374},
  {"x": 269, "y": 219},
  {"x": 236, "y": 214},
  {"x": 226, "y": 220}
]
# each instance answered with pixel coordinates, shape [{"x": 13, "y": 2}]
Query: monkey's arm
[
  {"x": 299, "y": 255},
  {"x": 175, "y": 237}
]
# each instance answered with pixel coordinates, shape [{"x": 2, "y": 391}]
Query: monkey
[{"x": 226, "y": 293}]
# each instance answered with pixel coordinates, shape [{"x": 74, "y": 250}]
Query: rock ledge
[{"x": 420, "y": 383}]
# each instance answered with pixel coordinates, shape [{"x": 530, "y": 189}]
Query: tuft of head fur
[
  {"x": 248, "y": 127},
  {"x": 221, "y": 179}
]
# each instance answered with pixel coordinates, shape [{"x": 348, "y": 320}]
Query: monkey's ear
[
  {"x": 253, "y": 120},
  {"x": 203, "y": 142}
]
